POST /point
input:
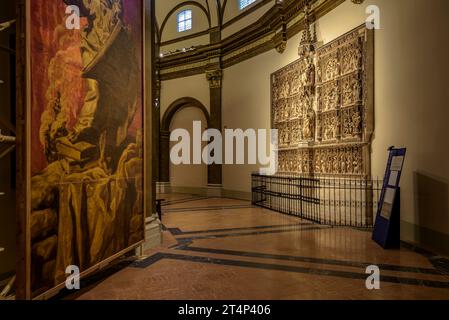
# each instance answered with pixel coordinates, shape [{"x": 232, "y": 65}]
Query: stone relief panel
[
  {"x": 293, "y": 96},
  {"x": 329, "y": 96},
  {"x": 339, "y": 160},
  {"x": 295, "y": 160},
  {"x": 323, "y": 108},
  {"x": 351, "y": 90}
]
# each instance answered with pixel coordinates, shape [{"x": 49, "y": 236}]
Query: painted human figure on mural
[
  {"x": 95, "y": 123},
  {"x": 89, "y": 187}
]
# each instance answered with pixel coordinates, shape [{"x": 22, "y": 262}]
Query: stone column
[{"x": 214, "y": 76}]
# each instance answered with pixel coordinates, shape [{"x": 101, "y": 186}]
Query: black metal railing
[{"x": 326, "y": 200}]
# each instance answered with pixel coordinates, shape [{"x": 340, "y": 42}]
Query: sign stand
[{"x": 387, "y": 226}]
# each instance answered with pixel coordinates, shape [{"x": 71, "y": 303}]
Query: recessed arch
[
  {"x": 164, "y": 155},
  {"x": 177, "y": 106}
]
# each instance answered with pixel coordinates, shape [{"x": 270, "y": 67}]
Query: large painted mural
[{"x": 86, "y": 136}]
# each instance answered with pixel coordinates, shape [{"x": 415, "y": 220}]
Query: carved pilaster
[
  {"x": 164, "y": 168},
  {"x": 215, "y": 77}
]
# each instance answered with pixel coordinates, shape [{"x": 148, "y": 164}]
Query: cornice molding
[{"x": 259, "y": 37}]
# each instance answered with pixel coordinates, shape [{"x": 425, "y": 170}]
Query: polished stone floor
[{"x": 215, "y": 248}]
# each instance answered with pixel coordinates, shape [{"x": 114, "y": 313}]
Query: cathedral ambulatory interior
[{"x": 256, "y": 150}]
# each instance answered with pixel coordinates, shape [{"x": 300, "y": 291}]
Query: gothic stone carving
[
  {"x": 321, "y": 109},
  {"x": 293, "y": 98}
]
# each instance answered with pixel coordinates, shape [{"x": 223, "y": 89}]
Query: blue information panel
[{"x": 387, "y": 227}]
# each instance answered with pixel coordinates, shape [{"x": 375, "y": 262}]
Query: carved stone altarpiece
[{"x": 323, "y": 108}]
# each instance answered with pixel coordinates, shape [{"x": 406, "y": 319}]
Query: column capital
[{"x": 214, "y": 77}]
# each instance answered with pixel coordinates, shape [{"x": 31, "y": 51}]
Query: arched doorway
[{"x": 167, "y": 119}]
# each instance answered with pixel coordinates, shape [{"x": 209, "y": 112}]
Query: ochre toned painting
[{"x": 86, "y": 135}]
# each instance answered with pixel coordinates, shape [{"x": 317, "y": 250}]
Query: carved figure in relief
[
  {"x": 308, "y": 125},
  {"x": 331, "y": 98},
  {"x": 308, "y": 74},
  {"x": 327, "y": 130},
  {"x": 317, "y": 162},
  {"x": 323, "y": 162},
  {"x": 348, "y": 162},
  {"x": 284, "y": 90},
  {"x": 346, "y": 62},
  {"x": 293, "y": 110},
  {"x": 296, "y": 107},
  {"x": 355, "y": 58},
  {"x": 294, "y": 136},
  {"x": 347, "y": 93},
  {"x": 281, "y": 136},
  {"x": 319, "y": 72},
  {"x": 343, "y": 161},
  {"x": 286, "y": 113},
  {"x": 335, "y": 163},
  {"x": 355, "y": 124},
  {"x": 304, "y": 101},
  {"x": 347, "y": 124},
  {"x": 282, "y": 111},
  {"x": 281, "y": 162},
  {"x": 318, "y": 130},
  {"x": 351, "y": 91},
  {"x": 306, "y": 166},
  {"x": 284, "y": 137},
  {"x": 351, "y": 57},
  {"x": 356, "y": 163},
  {"x": 296, "y": 83},
  {"x": 334, "y": 128},
  {"x": 331, "y": 69}
]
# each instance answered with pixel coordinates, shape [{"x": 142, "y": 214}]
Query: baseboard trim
[
  {"x": 200, "y": 191},
  {"x": 235, "y": 194},
  {"x": 211, "y": 191}
]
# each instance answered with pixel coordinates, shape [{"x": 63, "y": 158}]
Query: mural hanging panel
[{"x": 86, "y": 137}]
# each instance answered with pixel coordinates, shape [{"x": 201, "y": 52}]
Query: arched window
[
  {"x": 185, "y": 20},
  {"x": 244, "y": 3}
]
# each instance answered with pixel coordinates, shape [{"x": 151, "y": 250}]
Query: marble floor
[{"x": 216, "y": 248}]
